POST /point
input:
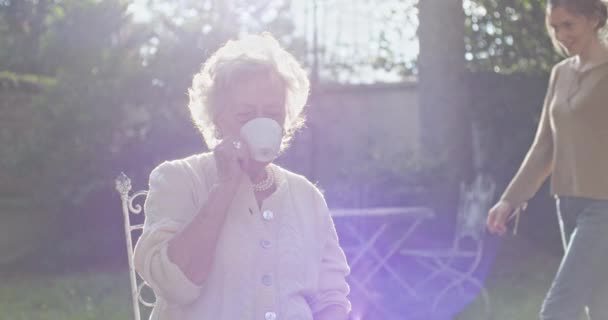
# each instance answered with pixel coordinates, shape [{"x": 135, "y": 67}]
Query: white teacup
[{"x": 263, "y": 136}]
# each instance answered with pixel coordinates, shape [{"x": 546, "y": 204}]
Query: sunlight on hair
[{"x": 238, "y": 59}]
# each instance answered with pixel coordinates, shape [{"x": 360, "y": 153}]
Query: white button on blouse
[
  {"x": 265, "y": 244},
  {"x": 268, "y": 215},
  {"x": 267, "y": 280},
  {"x": 270, "y": 316}
]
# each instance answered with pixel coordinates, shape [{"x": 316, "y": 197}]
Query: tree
[
  {"x": 85, "y": 91},
  {"x": 443, "y": 93},
  {"x": 65, "y": 66},
  {"x": 508, "y": 37}
]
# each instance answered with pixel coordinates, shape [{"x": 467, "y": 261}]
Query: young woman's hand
[{"x": 498, "y": 217}]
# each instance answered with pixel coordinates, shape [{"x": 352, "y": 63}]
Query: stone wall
[{"x": 357, "y": 133}]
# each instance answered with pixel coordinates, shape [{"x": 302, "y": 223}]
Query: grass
[
  {"x": 517, "y": 283},
  {"x": 84, "y": 296}
]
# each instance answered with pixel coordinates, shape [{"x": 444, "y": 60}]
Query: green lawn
[
  {"x": 85, "y": 296},
  {"x": 516, "y": 284}
]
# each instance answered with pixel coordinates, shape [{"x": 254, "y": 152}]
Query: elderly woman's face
[{"x": 253, "y": 97}]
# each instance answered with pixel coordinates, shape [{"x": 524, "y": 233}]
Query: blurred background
[{"x": 92, "y": 88}]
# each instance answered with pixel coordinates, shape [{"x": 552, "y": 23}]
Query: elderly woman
[{"x": 229, "y": 235}]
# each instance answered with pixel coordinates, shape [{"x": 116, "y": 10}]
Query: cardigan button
[
  {"x": 268, "y": 215},
  {"x": 267, "y": 280},
  {"x": 265, "y": 244}
]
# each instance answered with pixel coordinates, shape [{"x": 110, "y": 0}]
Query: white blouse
[{"x": 282, "y": 261}]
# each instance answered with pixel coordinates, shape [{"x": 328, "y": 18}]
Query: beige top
[
  {"x": 282, "y": 261},
  {"x": 572, "y": 138}
]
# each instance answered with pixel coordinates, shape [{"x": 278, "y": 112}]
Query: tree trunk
[{"x": 443, "y": 90}]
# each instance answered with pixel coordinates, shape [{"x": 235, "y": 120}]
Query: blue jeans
[{"x": 581, "y": 283}]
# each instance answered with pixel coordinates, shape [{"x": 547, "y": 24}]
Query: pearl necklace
[{"x": 266, "y": 183}]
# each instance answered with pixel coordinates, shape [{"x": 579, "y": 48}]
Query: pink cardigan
[{"x": 281, "y": 262}]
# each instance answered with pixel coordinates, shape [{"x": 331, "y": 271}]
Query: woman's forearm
[
  {"x": 332, "y": 312},
  {"x": 535, "y": 168},
  {"x": 193, "y": 249}
]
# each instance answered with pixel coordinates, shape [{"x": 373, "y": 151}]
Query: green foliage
[
  {"x": 11, "y": 80},
  {"x": 82, "y": 85},
  {"x": 508, "y": 36},
  {"x": 52, "y": 134}
]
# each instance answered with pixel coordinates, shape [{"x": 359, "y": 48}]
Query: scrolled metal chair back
[
  {"x": 475, "y": 201},
  {"x": 131, "y": 205}
]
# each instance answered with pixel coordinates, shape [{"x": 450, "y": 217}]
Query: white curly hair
[{"x": 242, "y": 57}]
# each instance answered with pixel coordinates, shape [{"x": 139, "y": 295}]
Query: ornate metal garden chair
[
  {"x": 371, "y": 239},
  {"x": 459, "y": 261},
  {"x": 131, "y": 205}
]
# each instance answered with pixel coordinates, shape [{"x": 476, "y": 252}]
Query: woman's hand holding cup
[{"x": 231, "y": 156}]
